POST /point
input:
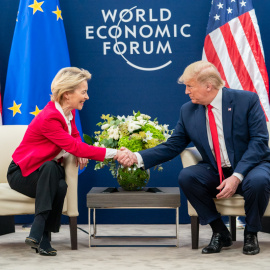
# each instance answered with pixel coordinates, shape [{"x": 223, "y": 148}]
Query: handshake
[{"x": 125, "y": 157}]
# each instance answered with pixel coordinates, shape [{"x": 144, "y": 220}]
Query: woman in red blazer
[{"x": 36, "y": 169}]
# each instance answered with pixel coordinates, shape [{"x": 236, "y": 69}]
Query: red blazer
[{"x": 46, "y": 136}]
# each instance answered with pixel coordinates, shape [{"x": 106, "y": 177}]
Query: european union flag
[{"x": 39, "y": 50}]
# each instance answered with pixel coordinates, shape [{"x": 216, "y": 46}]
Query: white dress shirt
[
  {"x": 110, "y": 153},
  {"x": 217, "y": 111}
]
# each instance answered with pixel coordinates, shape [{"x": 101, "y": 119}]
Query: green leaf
[
  {"x": 117, "y": 122},
  {"x": 109, "y": 143},
  {"x": 137, "y": 114},
  {"x": 89, "y": 140},
  {"x": 105, "y": 142}
]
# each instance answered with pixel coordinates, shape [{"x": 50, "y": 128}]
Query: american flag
[{"x": 233, "y": 44}]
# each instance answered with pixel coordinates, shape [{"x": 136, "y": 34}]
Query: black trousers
[{"x": 46, "y": 184}]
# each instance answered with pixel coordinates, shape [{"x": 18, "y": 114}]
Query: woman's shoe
[
  {"x": 32, "y": 242},
  {"x": 36, "y": 249},
  {"x": 48, "y": 252}
]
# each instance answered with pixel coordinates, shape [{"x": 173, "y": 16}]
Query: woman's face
[{"x": 76, "y": 99}]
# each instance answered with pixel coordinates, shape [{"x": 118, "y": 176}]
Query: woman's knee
[
  {"x": 49, "y": 165},
  {"x": 62, "y": 187}
]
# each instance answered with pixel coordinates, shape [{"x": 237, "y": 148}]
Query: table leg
[
  {"x": 177, "y": 226},
  {"x": 94, "y": 222},
  {"x": 89, "y": 224}
]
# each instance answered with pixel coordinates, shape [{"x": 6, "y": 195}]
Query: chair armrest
[
  {"x": 190, "y": 156},
  {"x": 71, "y": 172}
]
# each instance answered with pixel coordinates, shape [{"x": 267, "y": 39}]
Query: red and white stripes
[{"x": 236, "y": 50}]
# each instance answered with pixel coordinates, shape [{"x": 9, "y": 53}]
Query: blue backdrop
[{"x": 161, "y": 35}]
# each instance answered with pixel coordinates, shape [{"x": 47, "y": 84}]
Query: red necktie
[{"x": 213, "y": 128}]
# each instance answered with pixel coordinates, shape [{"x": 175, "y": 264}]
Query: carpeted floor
[{"x": 14, "y": 254}]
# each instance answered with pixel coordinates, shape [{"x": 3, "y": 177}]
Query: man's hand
[
  {"x": 228, "y": 187},
  {"x": 125, "y": 157},
  {"x": 82, "y": 162}
]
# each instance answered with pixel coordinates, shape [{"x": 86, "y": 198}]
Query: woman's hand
[
  {"x": 82, "y": 162},
  {"x": 125, "y": 157}
]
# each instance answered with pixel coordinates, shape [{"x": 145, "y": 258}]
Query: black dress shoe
[
  {"x": 218, "y": 241},
  {"x": 251, "y": 245}
]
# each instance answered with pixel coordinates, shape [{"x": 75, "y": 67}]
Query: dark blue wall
[{"x": 117, "y": 88}]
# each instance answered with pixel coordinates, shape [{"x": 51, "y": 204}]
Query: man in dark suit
[{"x": 236, "y": 161}]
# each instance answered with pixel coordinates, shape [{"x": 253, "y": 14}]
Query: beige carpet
[{"x": 14, "y": 254}]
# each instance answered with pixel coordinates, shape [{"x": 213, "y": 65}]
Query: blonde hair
[
  {"x": 203, "y": 72},
  {"x": 66, "y": 80}
]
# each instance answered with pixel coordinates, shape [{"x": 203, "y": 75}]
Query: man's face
[{"x": 198, "y": 93}]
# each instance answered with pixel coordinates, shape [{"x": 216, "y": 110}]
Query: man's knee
[
  {"x": 257, "y": 185},
  {"x": 185, "y": 177}
]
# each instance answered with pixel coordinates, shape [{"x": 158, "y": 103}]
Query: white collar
[
  {"x": 59, "y": 108},
  {"x": 217, "y": 101}
]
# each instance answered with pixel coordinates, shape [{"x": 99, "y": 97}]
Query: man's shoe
[
  {"x": 251, "y": 245},
  {"x": 218, "y": 241}
]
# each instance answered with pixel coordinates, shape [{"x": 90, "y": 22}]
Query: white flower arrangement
[{"x": 135, "y": 132}]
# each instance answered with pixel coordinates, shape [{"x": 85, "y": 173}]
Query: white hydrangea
[
  {"x": 158, "y": 127},
  {"x": 130, "y": 118},
  {"x": 142, "y": 122},
  {"x": 105, "y": 126},
  {"x": 113, "y": 133},
  {"x": 152, "y": 123},
  {"x": 145, "y": 116},
  {"x": 133, "y": 125},
  {"x": 120, "y": 118}
]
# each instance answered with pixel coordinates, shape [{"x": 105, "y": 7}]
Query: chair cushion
[
  {"x": 10, "y": 138},
  {"x": 233, "y": 206},
  {"x": 15, "y": 203}
]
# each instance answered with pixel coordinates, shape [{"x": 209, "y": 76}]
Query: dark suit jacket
[{"x": 244, "y": 126}]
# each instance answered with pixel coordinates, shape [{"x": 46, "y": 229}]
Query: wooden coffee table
[{"x": 168, "y": 198}]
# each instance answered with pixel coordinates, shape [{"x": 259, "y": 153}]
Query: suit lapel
[
  {"x": 227, "y": 113},
  {"x": 202, "y": 133}
]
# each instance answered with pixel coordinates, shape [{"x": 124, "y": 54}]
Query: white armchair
[
  {"x": 14, "y": 203},
  {"x": 231, "y": 207}
]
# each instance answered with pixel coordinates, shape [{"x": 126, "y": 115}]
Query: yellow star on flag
[
  {"x": 36, "y": 112},
  {"x": 36, "y": 6},
  {"x": 15, "y": 108},
  {"x": 58, "y": 13}
]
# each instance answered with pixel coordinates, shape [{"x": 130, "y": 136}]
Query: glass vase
[{"x": 132, "y": 178}]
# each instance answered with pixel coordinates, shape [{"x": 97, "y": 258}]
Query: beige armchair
[
  {"x": 15, "y": 203},
  {"x": 231, "y": 207}
]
